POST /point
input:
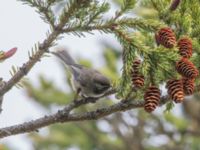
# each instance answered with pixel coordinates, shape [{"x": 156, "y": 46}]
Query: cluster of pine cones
[
  {"x": 152, "y": 95},
  {"x": 177, "y": 88}
]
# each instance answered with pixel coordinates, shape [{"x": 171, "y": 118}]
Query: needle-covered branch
[{"x": 134, "y": 23}]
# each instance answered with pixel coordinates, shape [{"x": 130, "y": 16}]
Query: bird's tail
[
  {"x": 64, "y": 56},
  {"x": 68, "y": 60}
]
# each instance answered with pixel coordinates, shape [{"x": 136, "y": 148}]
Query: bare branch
[
  {"x": 64, "y": 115},
  {"x": 102, "y": 112}
]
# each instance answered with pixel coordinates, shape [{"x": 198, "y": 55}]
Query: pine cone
[
  {"x": 152, "y": 98},
  {"x": 137, "y": 80},
  {"x": 136, "y": 65},
  {"x": 174, "y": 4},
  {"x": 187, "y": 68},
  {"x": 166, "y": 37},
  {"x": 188, "y": 86},
  {"x": 175, "y": 90},
  {"x": 185, "y": 47}
]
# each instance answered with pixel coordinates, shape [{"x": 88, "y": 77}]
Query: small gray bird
[{"x": 87, "y": 82}]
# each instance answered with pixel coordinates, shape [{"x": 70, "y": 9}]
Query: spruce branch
[
  {"x": 126, "y": 6},
  {"x": 125, "y": 23},
  {"x": 164, "y": 13},
  {"x": 97, "y": 13},
  {"x": 131, "y": 48},
  {"x": 47, "y": 15},
  {"x": 156, "y": 5},
  {"x": 73, "y": 9},
  {"x": 44, "y": 9},
  {"x": 53, "y": 2}
]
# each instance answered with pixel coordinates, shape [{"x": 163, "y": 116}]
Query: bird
[{"x": 86, "y": 82}]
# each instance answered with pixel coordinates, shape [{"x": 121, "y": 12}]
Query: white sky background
[{"x": 21, "y": 27}]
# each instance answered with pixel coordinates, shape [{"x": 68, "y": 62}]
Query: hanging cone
[
  {"x": 175, "y": 90},
  {"x": 136, "y": 65},
  {"x": 185, "y": 47},
  {"x": 188, "y": 86},
  {"x": 166, "y": 37},
  {"x": 136, "y": 78},
  {"x": 187, "y": 68},
  {"x": 152, "y": 98}
]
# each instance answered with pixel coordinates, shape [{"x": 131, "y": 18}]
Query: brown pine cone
[
  {"x": 187, "y": 68},
  {"x": 152, "y": 98},
  {"x": 137, "y": 80},
  {"x": 175, "y": 90},
  {"x": 185, "y": 47},
  {"x": 188, "y": 86},
  {"x": 166, "y": 37},
  {"x": 136, "y": 65}
]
